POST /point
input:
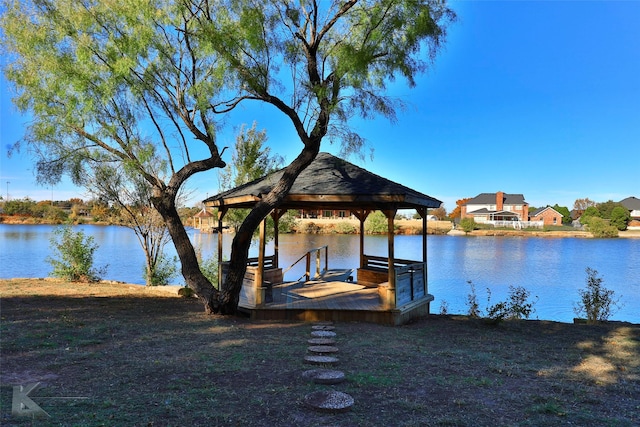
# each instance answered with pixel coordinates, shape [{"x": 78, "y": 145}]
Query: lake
[{"x": 552, "y": 269}]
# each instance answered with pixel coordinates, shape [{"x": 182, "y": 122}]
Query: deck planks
[{"x": 362, "y": 305}]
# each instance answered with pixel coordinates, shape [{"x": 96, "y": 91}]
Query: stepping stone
[
  {"x": 322, "y": 349},
  {"x": 323, "y": 323},
  {"x": 323, "y": 334},
  {"x": 323, "y": 327},
  {"x": 324, "y": 376},
  {"x": 329, "y": 401},
  {"x": 321, "y": 341},
  {"x": 315, "y": 359}
]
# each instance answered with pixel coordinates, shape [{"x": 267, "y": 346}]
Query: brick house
[
  {"x": 548, "y": 216},
  {"x": 496, "y": 207}
]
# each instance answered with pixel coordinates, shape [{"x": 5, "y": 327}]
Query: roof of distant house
[
  {"x": 540, "y": 210},
  {"x": 490, "y": 199},
  {"x": 631, "y": 203}
]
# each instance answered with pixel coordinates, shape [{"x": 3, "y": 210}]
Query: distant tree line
[{"x": 72, "y": 211}]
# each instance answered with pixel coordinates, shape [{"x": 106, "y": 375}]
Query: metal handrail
[{"x": 307, "y": 256}]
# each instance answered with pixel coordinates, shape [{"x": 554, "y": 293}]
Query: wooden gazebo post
[
  {"x": 423, "y": 214},
  {"x": 362, "y": 216},
  {"x": 221, "y": 213},
  {"x": 390, "y": 214}
]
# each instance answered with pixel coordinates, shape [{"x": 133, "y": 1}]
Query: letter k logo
[{"x": 22, "y": 405}]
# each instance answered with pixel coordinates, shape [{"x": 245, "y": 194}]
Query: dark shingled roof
[
  {"x": 490, "y": 199},
  {"x": 329, "y": 183},
  {"x": 631, "y": 203}
]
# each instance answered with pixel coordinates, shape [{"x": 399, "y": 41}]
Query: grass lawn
[{"x": 140, "y": 357}]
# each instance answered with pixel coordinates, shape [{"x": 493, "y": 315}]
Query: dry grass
[{"x": 148, "y": 358}]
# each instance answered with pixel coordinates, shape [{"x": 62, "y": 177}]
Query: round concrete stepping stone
[
  {"x": 323, "y": 334},
  {"x": 323, "y": 349},
  {"x": 323, "y": 328},
  {"x": 324, "y": 323},
  {"x": 321, "y": 341},
  {"x": 314, "y": 359},
  {"x": 324, "y": 376},
  {"x": 329, "y": 401}
]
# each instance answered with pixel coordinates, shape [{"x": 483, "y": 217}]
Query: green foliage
[
  {"x": 596, "y": 301},
  {"x": 376, "y": 223},
  {"x": 590, "y": 212},
  {"x": 75, "y": 256},
  {"x": 620, "y": 217},
  {"x": 209, "y": 268},
  {"x": 606, "y": 208},
  {"x": 160, "y": 272},
  {"x": 287, "y": 222},
  {"x": 23, "y": 207},
  {"x": 601, "y": 228},
  {"x": 250, "y": 160},
  {"x": 468, "y": 224},
  {"x": 516, "y": 307},
  {"x": 345, "y": 228}
]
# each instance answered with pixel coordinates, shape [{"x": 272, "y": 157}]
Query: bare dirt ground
[{"x": 124, "y": 355}]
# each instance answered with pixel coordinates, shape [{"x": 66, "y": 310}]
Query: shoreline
[{"x": 403, "y": 227}]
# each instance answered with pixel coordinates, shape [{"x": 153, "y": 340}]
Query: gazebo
[
  {"x": 204, "y": 221},
  {"x": 387, "y": 290}
]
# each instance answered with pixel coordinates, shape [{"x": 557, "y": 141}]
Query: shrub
[
  {"x": 444, "y": 308},
  {"x": 589, "y": 213},
  {"x": 162, "y": 271},
  {"x": 75, "y": 251},
  {"x": 468, "y": 224},
  {"x": 601, "y": 228},
  {"x": 596, "y": 301},
  {"x": 312, "y": 228},
  {"x": 209, "y": 268},
  {"x": 620, "y": 217},
  {"x": 376, "y": 223},
  {"x": 345, "y": 228},
  {"x": 516, "y": 307},
  {"x": 472, "y": 301},
  {"x": 287, "y": 222}
]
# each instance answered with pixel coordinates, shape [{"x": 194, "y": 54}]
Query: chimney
[{"x": 499, "y": 200}]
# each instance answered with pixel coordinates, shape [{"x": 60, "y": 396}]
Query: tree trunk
[
  {"x": 193, "y": 277},
  {"x": 230, "y": 295}
]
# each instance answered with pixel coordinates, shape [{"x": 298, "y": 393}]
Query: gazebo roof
[
  {"x": 329, "y": 183},
  {"x": 204, "y": 213}
]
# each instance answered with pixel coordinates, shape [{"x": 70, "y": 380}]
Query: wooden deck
[{"x": 333, "y": 300}]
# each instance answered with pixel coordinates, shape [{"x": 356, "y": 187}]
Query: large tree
[{"x": 140, "y": 83}]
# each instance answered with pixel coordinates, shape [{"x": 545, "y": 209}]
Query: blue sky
[{"x": 537, "y": 98}]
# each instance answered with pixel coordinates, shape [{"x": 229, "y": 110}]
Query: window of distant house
[
  {"x": 326, "y": 214},
  {"x": 555, "y": 220},
  {"x": 342, "y": 214}
]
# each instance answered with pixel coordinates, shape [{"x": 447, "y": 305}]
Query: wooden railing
[
  {"x": 409, "y": 278},
  {"x": 269, "y": 262},
  {"x": 382, "y": 263},
  {"x": 318, "y": 257}
]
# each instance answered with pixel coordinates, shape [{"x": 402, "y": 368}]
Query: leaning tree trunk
[
  {"x": 191, "y": 272},
  {"x": 230, "y": 295}
]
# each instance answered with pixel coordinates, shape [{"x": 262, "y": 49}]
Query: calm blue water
[{"x": 553, "y": 269}]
